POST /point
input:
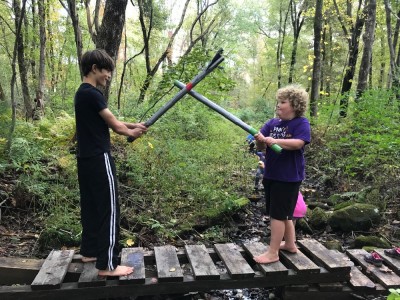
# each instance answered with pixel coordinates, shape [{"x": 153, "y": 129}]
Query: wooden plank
[
  {"x": 276, "y": 268},
  {"x": 21, "y": 270},
  {"x": 235, "y": 263},
  {"x": 133, "y": 257},
  {"x": 90, "y": 276},
  {"x": 323, "y": 256},
  {"x": 299, "y": 262},
  {"x": 393, "y": 263},
  {"x": 202, "y": 265},
  {"x": 359, "y": 282},
  {"x": 18, "y": 270},
  {"x": 53, "y": 270},
  {"x": 387, "y": 279},
  {"x": 168, "y": 267}
]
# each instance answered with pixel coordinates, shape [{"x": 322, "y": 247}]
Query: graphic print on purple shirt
[{"x": 289, "y": 165}]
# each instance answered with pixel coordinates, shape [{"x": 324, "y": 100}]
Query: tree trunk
[
  {"x": 369, "y": 36},
  {"x": 146, "y": 33},
  {"x": 51, "y": 59},
  {"x": 329, "y": 70},
  {"x": 383, "y": 64},
  {"x": 317, "y": 59},
  {"x": 2, "y": 95},
  {"x": 281, "y": 40},
  {"x": 370, "y": 86},
  {"x": 33, "y": 42},
  {"x": 393, "y": 70},
  {"x": 39, "y": 100},
  {"x": 18, "y": 22},
  {"x": 297, "y": 23},
  {"x": 396, "y": 37},
  {"x": 110, "y": 32},
  {"x": 77, "y": 31},
  {"x": 21, "y": 60},
  {"x": 352, "y": 61}
]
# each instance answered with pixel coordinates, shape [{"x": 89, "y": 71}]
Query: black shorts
[{"x": 281, "y": 198}]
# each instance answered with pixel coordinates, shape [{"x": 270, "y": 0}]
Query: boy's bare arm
[{"x": 118, "y": 126}]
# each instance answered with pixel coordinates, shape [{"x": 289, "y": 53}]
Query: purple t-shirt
[{"x": 289, "y": 165}]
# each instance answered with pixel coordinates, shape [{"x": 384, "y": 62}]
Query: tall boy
[{"x": 96, "y": 168}]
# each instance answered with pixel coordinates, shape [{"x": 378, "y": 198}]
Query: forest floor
[{"x": 20, "y": 230}]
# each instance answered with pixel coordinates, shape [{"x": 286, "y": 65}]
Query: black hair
[{"x": 97, "y": 57}]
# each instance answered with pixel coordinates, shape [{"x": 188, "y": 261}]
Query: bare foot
[
  {"x": 88, "y": 259},
  {"x": 118, "y": 271},
  {"x": 266, "y": 258},
  {"x": 291, "y": 249}
]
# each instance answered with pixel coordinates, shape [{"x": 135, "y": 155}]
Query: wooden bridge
[{"x": 167, "y": 270}]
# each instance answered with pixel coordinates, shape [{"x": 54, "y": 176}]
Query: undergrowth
[{"x": 360, "y": 151}]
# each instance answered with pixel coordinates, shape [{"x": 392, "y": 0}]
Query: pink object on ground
[{"x": 301, "y": 207}]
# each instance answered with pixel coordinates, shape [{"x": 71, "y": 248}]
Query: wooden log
[
  {"x": 18, "y": 270},
  {"x": 299, "y": 262},
  {"x": 330, "y": 260},
  {"x": 168, "y": 267},
  {"x": 331, "y": 287},
  {"x": 387, "y": 279},
  {"x": 133, "y": 257},
  {"x": 113, "y": 288},
  {"x": 274, "y": 269},
  {"x": 235, "y": 263},
  {"x": 202, "y": 265},
  {"x": 53, "y": 270},
  {"x": 90, "y": 276}
]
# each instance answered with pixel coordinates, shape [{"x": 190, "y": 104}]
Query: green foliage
[
  {"x": 62, "y": 228},
  {"x": 258, "y": 113},
  {"x": 360, "y": 150},
  {"x": 185, "y": 180},
  {"x": 394, "y": 294},
  {"x": 215, "y": 234}
]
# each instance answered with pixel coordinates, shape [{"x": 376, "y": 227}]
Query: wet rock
[
  {"x": 334, "y": 245},
  {"x": 356, "y": 217},
  {"x": 303, "y": 225},
  {"x": 313, "y": 205},
  {"x": 318, "y": 219},
  {"x": 374, "y": 241},
  {"x": 343, "y": 205}
]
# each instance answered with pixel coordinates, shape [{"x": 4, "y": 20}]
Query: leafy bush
[
  {"x": 185, "y": 180},
  {"x": 360, "y": 150}
]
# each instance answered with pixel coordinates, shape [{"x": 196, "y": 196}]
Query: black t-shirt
[{"x": 93, "y": 134}]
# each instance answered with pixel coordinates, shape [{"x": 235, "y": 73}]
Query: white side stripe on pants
[{"x": 113, "y": 210}]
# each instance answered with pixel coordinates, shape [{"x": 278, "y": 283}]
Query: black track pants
[{"x": 99, "y": 210}]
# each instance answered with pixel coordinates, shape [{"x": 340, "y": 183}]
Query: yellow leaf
[
  {"x": 130, "y": 242},
  {"x": 150, "y": 145}
]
